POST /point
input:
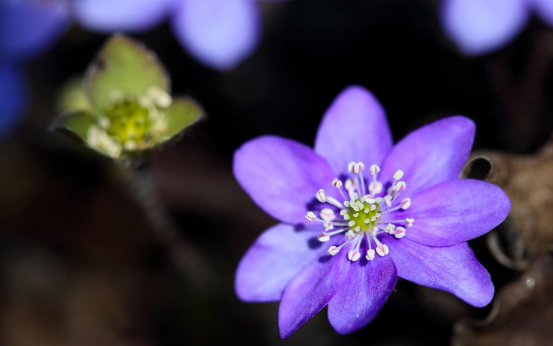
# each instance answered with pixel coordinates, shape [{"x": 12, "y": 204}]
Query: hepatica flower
[
  {"x": 482, "y": 26},
  {"x": 126, "y": 108},
  {"x": 219, "y": 34},
  {"x": 357, "y": 213}
]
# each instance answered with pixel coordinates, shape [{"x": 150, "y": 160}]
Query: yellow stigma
[
  {"x": 365, "y": 218},
  {"x": 130, "y": 123}
]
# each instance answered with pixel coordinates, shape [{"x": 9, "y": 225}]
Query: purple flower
[
  {"x": 349, "y": 229},
  {"x": 11, "y": 99},
  {"x": 219, "y": 34},
  {"x": 482, "y": 26}
]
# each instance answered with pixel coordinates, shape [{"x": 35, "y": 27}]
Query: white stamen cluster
[{"x": 363, "y": 216}]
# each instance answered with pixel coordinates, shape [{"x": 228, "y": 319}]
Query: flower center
[
  {"x": 130, "y": 123},
  {"x": 363, "y": 217}
]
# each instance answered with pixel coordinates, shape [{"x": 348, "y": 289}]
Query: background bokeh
[{"x": 81, "y": 265}]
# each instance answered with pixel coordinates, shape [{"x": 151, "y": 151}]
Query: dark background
[{"x": 81, "y": 264}]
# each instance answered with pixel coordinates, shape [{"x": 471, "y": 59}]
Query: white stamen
[
  {"x": 321, "y": 196},
  {"x": 399, "y": 232},
  {"x": 373, "y": 207},
  {"x": 350, "y": 185},
  {"x": 337, "y": 183},
  {"x": 370, "y": 254},
  {"x": 351, "y": 223},
  {"x": 390, "y": 228},
  {"x": 328, "y": 226},
  {"x": 398, "y": 175},
  {"x": 409, "y": 222},
  {"x": 375, "y": 187},
  {"x": 357, "y": 229},
  {"x": 368, "y": 199},
  {"x": 356, "y": 215},
  {"x": 351, "y": 166},
  {"x": 346, "y": 217},
  {"x": 327, "y": 214},
  {"x": 310, "y": 216},
  {"x": 333, "y": 250},
  {"x": 350, "y": 234},
  {"x": 375, "y": 169},
  {"x": 400, "y": 186},
  {"x": 359, "y": 167},
  {"x": 388, "y": 201},
  {"x": 405, "y": 203},
  {"x": 354, "y": 255},
  {"x": 382, "y": 250},
  {"x": 323, "y": 237}
]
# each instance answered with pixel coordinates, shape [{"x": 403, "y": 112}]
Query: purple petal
[
  {"x": 12, "y": 97},
  {"x": 354, "y": 128},
  {"x": 310, "y": 291},
  {"x": 455, "y": 212},
  {"x": 275, "y": 258},
  {"x": 362, "y": 294},
  {"x": 120, "y": 15},
  {"x": 453, "y": 269},
  {"x": 220, "y": 34},
  {"x": 544, "y": 9},
  {"x": 28, "y": 27},
  {"x": 431, "y": 155},
  {"x": 479, "y": 27},
  {"x": 281, "y": 175}
]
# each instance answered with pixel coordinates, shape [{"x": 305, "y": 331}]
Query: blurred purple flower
[
  {"x": 219, "y": 34},
  {"x": 480, "y": 27},
  {"x": 411, "y": 220},
  {"x": 11, "y": 97}
]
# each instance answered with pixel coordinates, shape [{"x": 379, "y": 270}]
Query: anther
[
  {"x": 321, "y": 196},
  {"x": 351, "y": 223},
  {"x": 399, "y": 232},
  {"x": 337, "y": 183},
  {"x": 354, "y": 255},
  {"x": 327, "y": 214},
  {"x": 368, "y": 199},
  {"x": 405, "y": 203},
  {"x": 398, "y": 175},
  {"x": 323, "y": 237},
  {"x": 382, "y": 250},
  {"x": 350, "y": 185},
  {"x": 409, "y": 222},
  {"x": 333, "y": 250},
  {"x": 351, "y": 166},
  {"x": 400, "y": 186},
  {"x": 350, "y": 234},
  {"x": 370, "y": 254},
  {"x": 375, "y": 187},
  {"x": 375, "y": 169},
  {"x": 310, "y": 216},
  {"x": 358, "y": 167}
]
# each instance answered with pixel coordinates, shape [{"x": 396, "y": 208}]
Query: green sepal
[
  {"x": 72, "y": 97},
  {"x": 75, "y": 125},
  {"x": 126, "y": 67},
  {"x": 182, "y": 114}
]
